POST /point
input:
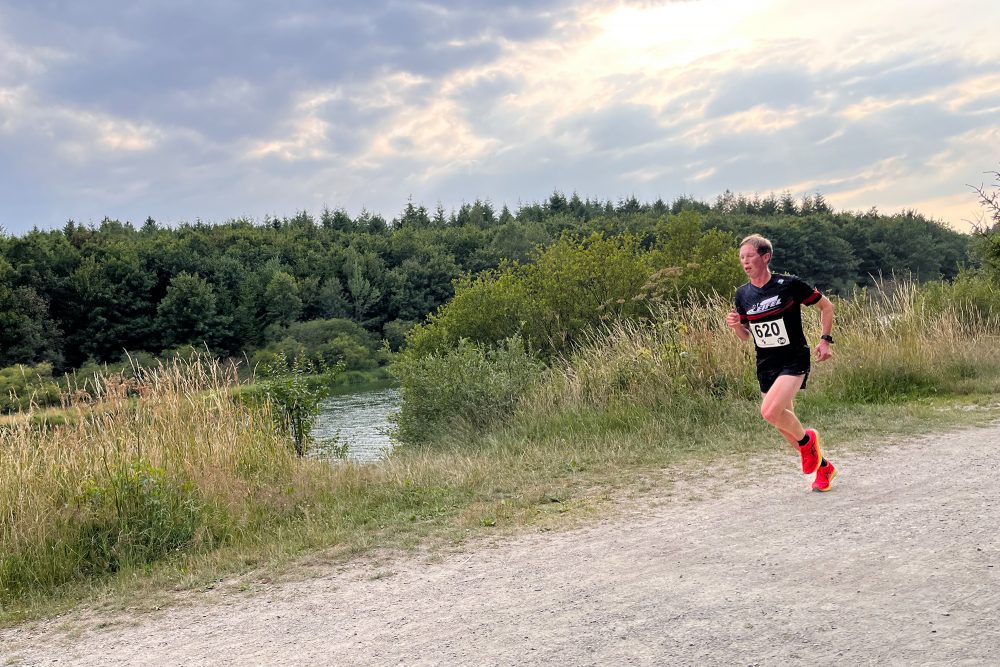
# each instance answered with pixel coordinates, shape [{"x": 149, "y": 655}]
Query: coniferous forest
[{"x": 86, "y": 294}]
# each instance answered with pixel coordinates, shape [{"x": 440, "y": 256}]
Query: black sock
[
  {"x": 804, "y": 440},
  {"x": 822, "y": 463}
]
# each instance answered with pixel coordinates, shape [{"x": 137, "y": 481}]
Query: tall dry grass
[
  {"x": 178, "y": 465},
  {"x": 168, "y": 465},
  {"x": 893, "y": 343},
  {"x": 663, "y": 362},
  {"x": 143, "y": 468},
  {"x": 900, "y": 341}
]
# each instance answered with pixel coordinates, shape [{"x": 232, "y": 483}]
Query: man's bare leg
[
  {"x": 776, "y": 407},
  {"x": 788, "y": 436}
]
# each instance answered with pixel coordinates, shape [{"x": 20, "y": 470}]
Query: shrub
[
  {"x": 136, "y": 516},
  {"x": 349, "y": 353},
  {"x": 576, "y": 284},
  {"x": 295, "y": 390},
  {"x": 324, "y": 342},
  {"x": 486, "y": 309},
  {"x": 162, "y": 462},
  {"x": 24, "y": 386},
  {"x": 470, "y": 385},
  {"x": 975, "y": 298},
  {"x": 690, "y": 262},
  {"x": 572, "y": 285}
]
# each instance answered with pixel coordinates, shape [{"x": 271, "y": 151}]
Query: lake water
[{"x": 362, "y": 419}]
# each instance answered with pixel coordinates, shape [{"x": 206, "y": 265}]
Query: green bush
[
  {"x": 576, "y": 284},
  {"x": 488, "y": 308},
  {"x": 295, "y": 389},
  {"x": 348, "y": 352},
  {"x": 572, "y": 286},
  {"x": 135, "y": 517},
  {"x": 690, "y": 262},
  {"x": 23, "y": 386},
  {"x": 473, "y": 385},
  {"x": 325, "y": 342},
  {"x": 974, "y": 297}
]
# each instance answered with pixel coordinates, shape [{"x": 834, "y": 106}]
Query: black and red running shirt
[{"x": 773, "y": 315}]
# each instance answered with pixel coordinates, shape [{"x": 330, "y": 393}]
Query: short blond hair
[{"x": 759, "y": 243}]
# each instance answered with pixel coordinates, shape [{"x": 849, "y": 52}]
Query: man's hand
[
  {"x": 733, "y": 322},
  {"x": 823, "y": 351}
]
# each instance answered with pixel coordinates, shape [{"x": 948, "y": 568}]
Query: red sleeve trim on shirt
[{"x": 812, "y": 298}]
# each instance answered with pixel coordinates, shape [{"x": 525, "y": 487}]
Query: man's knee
[{"x": 771, "y": 412}]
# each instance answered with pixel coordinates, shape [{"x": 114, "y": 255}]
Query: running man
[{"x": 768, "y": 308}]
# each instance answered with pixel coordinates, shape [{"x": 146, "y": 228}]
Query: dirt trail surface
[{"x": 899, "y": 564}]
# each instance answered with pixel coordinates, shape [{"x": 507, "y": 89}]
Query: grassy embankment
[
  {"x": 344, "y": 382},
  {"x": 173, "y": 485}
]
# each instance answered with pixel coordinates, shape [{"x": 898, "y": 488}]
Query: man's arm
[
  {"x": 733, "y": 322},
  {"x": 823, "y": 351}
]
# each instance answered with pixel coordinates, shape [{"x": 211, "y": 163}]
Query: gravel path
[{"x": 899, "y": 564}]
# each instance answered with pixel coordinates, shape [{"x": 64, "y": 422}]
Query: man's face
[{"x": 753, "y": 263}]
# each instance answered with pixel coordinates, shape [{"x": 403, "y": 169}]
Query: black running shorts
[{"x": 769, "y": 371}]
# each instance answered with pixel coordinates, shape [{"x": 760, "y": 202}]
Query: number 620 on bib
[{"x": 769, "y": 334}]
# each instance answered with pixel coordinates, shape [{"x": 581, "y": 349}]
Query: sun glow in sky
[
  {"x": 673, "y": 35},
  {"x": 181, "y": 111}
]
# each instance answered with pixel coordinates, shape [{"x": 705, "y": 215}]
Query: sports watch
[{"x": 828, "y": 338}]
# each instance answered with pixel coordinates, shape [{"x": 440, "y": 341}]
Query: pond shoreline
[{"x": 360, "y": 419}]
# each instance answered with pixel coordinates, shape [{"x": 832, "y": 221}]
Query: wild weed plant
[
  {"x": 467, "y": 387},
  {"x": 145, "y": 467},
  {"x": 895, "y": 342},
  {"x": 175, "y": 461}
]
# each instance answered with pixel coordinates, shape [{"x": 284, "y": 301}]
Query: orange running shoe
[
  {"x": 810, "y": 453},
  {"x": 824, "y": 477}
]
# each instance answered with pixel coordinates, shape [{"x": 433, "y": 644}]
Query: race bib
[{"x": 770, "y": 334}]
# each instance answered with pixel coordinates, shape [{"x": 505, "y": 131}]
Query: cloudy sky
[{"x": 216, "y": 109}]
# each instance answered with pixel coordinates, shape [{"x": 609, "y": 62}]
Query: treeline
[{"x": 87, "y": 293}]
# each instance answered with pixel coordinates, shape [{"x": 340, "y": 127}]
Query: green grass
[
  {"x": 171, "y": 487},
  {"x": 537, "y": 475}
]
